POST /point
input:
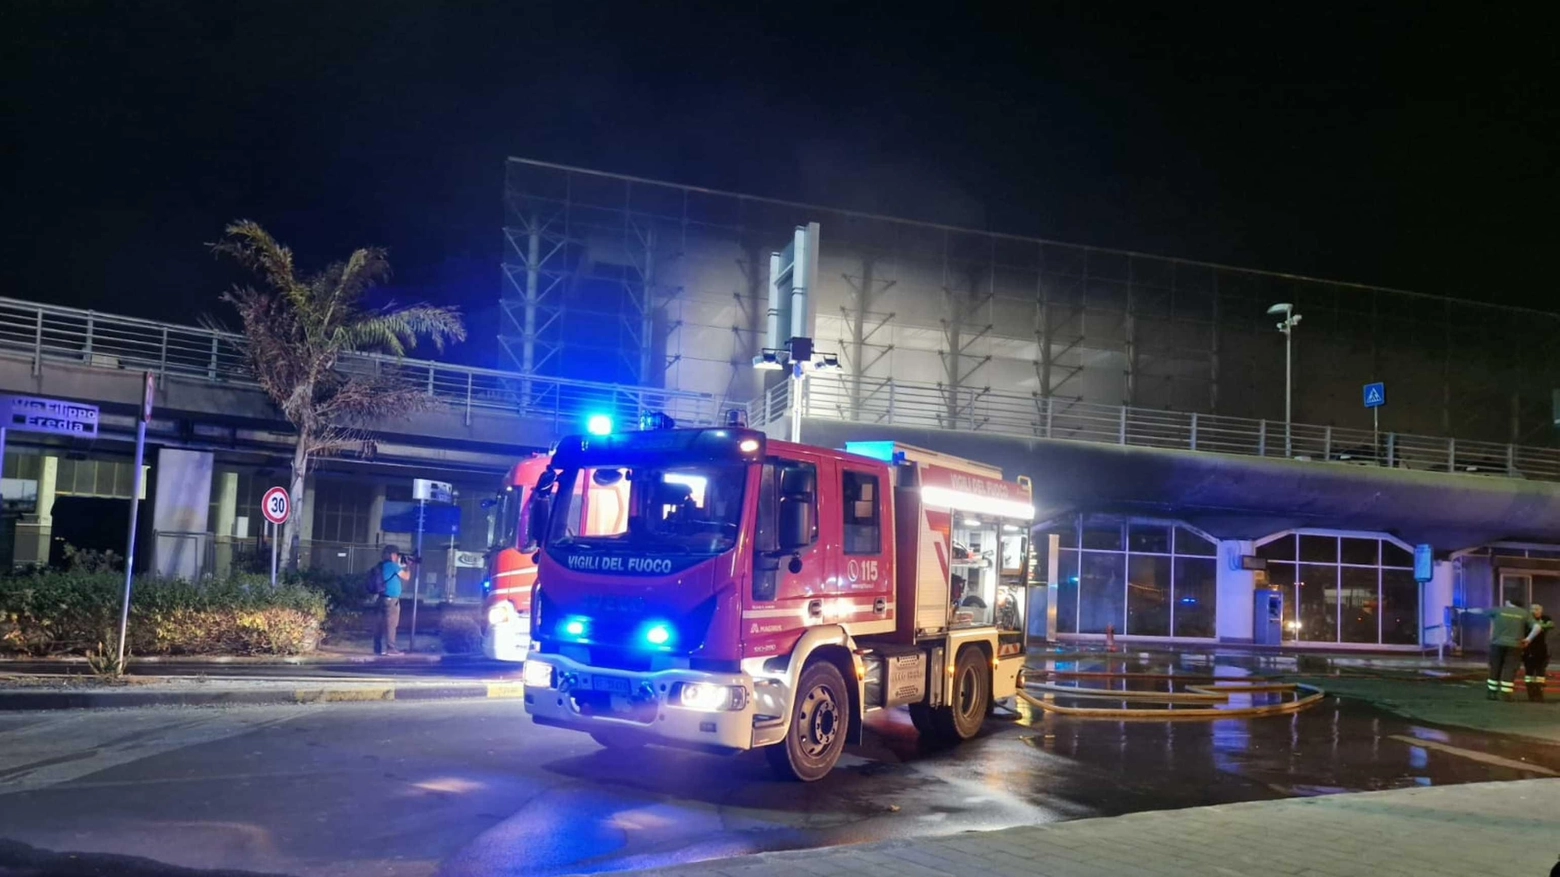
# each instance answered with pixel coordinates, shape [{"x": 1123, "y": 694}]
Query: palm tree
[{"x": 298, "y": 330}]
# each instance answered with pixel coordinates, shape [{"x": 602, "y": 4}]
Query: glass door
[{"x": 1516, "y": 586}]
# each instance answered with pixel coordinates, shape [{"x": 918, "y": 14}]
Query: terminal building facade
[{"x": 1142, "y": 395}]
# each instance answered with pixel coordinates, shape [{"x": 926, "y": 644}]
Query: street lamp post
[{"x": 1287, "y": 326}]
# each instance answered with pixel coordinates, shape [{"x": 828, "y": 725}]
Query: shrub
[
  {"x": 460, "y": 632},
  {"x": 48, "y": 613}
]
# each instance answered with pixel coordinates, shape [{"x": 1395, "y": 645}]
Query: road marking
[
  {"x": 1472, "y": 755},
  {"x": 506, "y": 689}
]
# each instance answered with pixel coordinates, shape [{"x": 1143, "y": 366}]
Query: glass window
[
  {"x": 1067, "y": 535},
  {"x": 863, "y": 513},
  {"x": 1101, "y": 591},
  {"x": 1392, "y": 555},
  {"x": 1196, "y": 593},
  {"x": 1067, "y": 591},
  {"x": 1317, "y": 601},
  {"x": 1148, "y": 595},
  {"x": 1187, "y": 542},
  {"x": 766, "y": 574},
  {"x": 1282, "y": 548},
  {"x": 1362, "y": 552},
  {"x": 1040, "y": 558},
  {"x": 1319, "y": 549},
  {"x": 1399, "y": 607},
  {"x": 1102, "y": 537},
  {"x": 1359, "y": 605},
  {"x": 1148, "y": 539}
]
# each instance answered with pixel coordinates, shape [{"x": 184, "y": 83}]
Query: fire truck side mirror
[
  {"x": 536, "y": 526},
  {"x": 796, "y": 523}
]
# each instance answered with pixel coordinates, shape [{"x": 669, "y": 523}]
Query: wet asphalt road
[{"x": 472, "y": 788}]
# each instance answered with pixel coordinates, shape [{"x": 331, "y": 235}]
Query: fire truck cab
[
  {"x": 506, "y": 606},
  {"x": 764, "y": 594}
]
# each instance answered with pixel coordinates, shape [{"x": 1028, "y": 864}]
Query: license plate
[{"x": 612, "y": 685}]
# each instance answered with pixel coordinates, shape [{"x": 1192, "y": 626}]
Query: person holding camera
[{"x": 390, "y": 574}]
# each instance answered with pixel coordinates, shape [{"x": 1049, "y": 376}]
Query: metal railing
[
  {"x": 930, "y": 406},
  {"x": 47, "y": 333}
]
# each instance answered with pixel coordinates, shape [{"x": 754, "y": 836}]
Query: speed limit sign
[{"x": 276, "y": 505}]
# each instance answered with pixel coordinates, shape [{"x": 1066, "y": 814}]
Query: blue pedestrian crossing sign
[{"x": 1375, "y": 395}]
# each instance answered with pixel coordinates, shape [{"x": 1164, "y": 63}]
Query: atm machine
[{"x": 1267, "y": 623}]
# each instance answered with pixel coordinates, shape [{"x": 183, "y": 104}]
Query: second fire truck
[{"x": 717, "y": 589}]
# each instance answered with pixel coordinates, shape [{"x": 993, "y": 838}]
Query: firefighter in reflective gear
[
  {"x": 1535, "y": 655},
  {"x": 1508, "y": 630}
]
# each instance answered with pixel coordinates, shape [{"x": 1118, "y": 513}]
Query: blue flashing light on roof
[
  {"x": 876, "y": 450},
  {"x": 599, "y": 424}
]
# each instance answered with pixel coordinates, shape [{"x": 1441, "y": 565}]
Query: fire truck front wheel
[
  {"x": 820, "y": 718},
  {"x": 969, "y": 698}
]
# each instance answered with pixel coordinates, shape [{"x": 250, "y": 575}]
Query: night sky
[{"x": 1390, "y": 146}]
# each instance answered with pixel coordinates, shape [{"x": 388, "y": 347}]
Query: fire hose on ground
[{"x": 1208, "y": 690}]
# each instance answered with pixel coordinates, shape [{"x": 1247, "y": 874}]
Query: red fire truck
[
  {"x": 506, "y": 610},
  {"x": 717, "y": 589}
]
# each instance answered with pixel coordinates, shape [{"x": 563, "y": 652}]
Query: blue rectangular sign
[
  {"x": 1423, "y": 563},
  {"x": 1375, "y": 395},
  {"x": 438, "y": 520}
]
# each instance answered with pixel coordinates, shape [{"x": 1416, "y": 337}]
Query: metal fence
[
  {"x": 46, "y": 333},
  {"x": 995, "y": 412},
  {"x": 197, "y": 555}
]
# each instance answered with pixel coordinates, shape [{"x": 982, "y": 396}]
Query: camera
[{"x": 411, "y": 559}]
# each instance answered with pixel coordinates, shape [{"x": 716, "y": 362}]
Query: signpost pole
[
  {"x": 137, "y": 483},
  {"x": 276, "y": 508},
  {"x": 422, "y": 514},
  {"x": 1375, "y": 434}
]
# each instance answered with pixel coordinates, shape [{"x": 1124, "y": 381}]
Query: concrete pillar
[
  {"x": 34, "y": 532},
  {"x": 180, "y": 514},
  {"x": 376, "y": 514},
  {"x": 1236, "y": 587},
  {"x": 227, "y": 512}
]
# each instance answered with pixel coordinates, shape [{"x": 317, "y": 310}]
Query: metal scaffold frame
[{"x": 975, "y": 312}]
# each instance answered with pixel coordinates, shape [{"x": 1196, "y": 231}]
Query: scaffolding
[{"x": 638, "y": 281}]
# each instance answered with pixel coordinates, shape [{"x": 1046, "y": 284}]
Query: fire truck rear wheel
[
  {"x": 969, "y": 697},
  {"x": 819, "y": 720},
  {"x": 617, "y": 739}
]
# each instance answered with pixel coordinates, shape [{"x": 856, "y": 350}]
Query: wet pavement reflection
[{"x": 1031, "y": 767}]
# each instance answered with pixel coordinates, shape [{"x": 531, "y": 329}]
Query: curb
[
  {"x": 417, "y": 660},
  {"x": 11, "y": 701}
]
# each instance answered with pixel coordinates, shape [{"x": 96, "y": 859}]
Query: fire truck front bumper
[
  {"x": 684, "y": 707},
  {"x": 509, "y": 640}
]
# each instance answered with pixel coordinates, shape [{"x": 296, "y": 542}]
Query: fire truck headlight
[
  {"x": 501, "y": 613},
  {"x": 538, "y": 674},
  {"x": 709, "y": 698}
]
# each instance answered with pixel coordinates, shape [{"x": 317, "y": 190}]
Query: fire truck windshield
[
  {"x": 689, "y": 509},
  {"x": 504, "y": 524}
]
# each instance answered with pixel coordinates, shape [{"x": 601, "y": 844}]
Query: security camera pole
[
  {"x": 1287, "y": 326},
  {"x": 793, "y": 272}
]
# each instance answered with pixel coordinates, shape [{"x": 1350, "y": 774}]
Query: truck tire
[
  {"x": 969, "y": 697},
  {"x": 617, "y": 739},
  {"x": 820, "y": 717}
]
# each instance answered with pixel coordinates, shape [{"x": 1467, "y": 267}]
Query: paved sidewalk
[
  {"x": 63, "y": 693},
  {"x": 1507, "y": 829}
]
